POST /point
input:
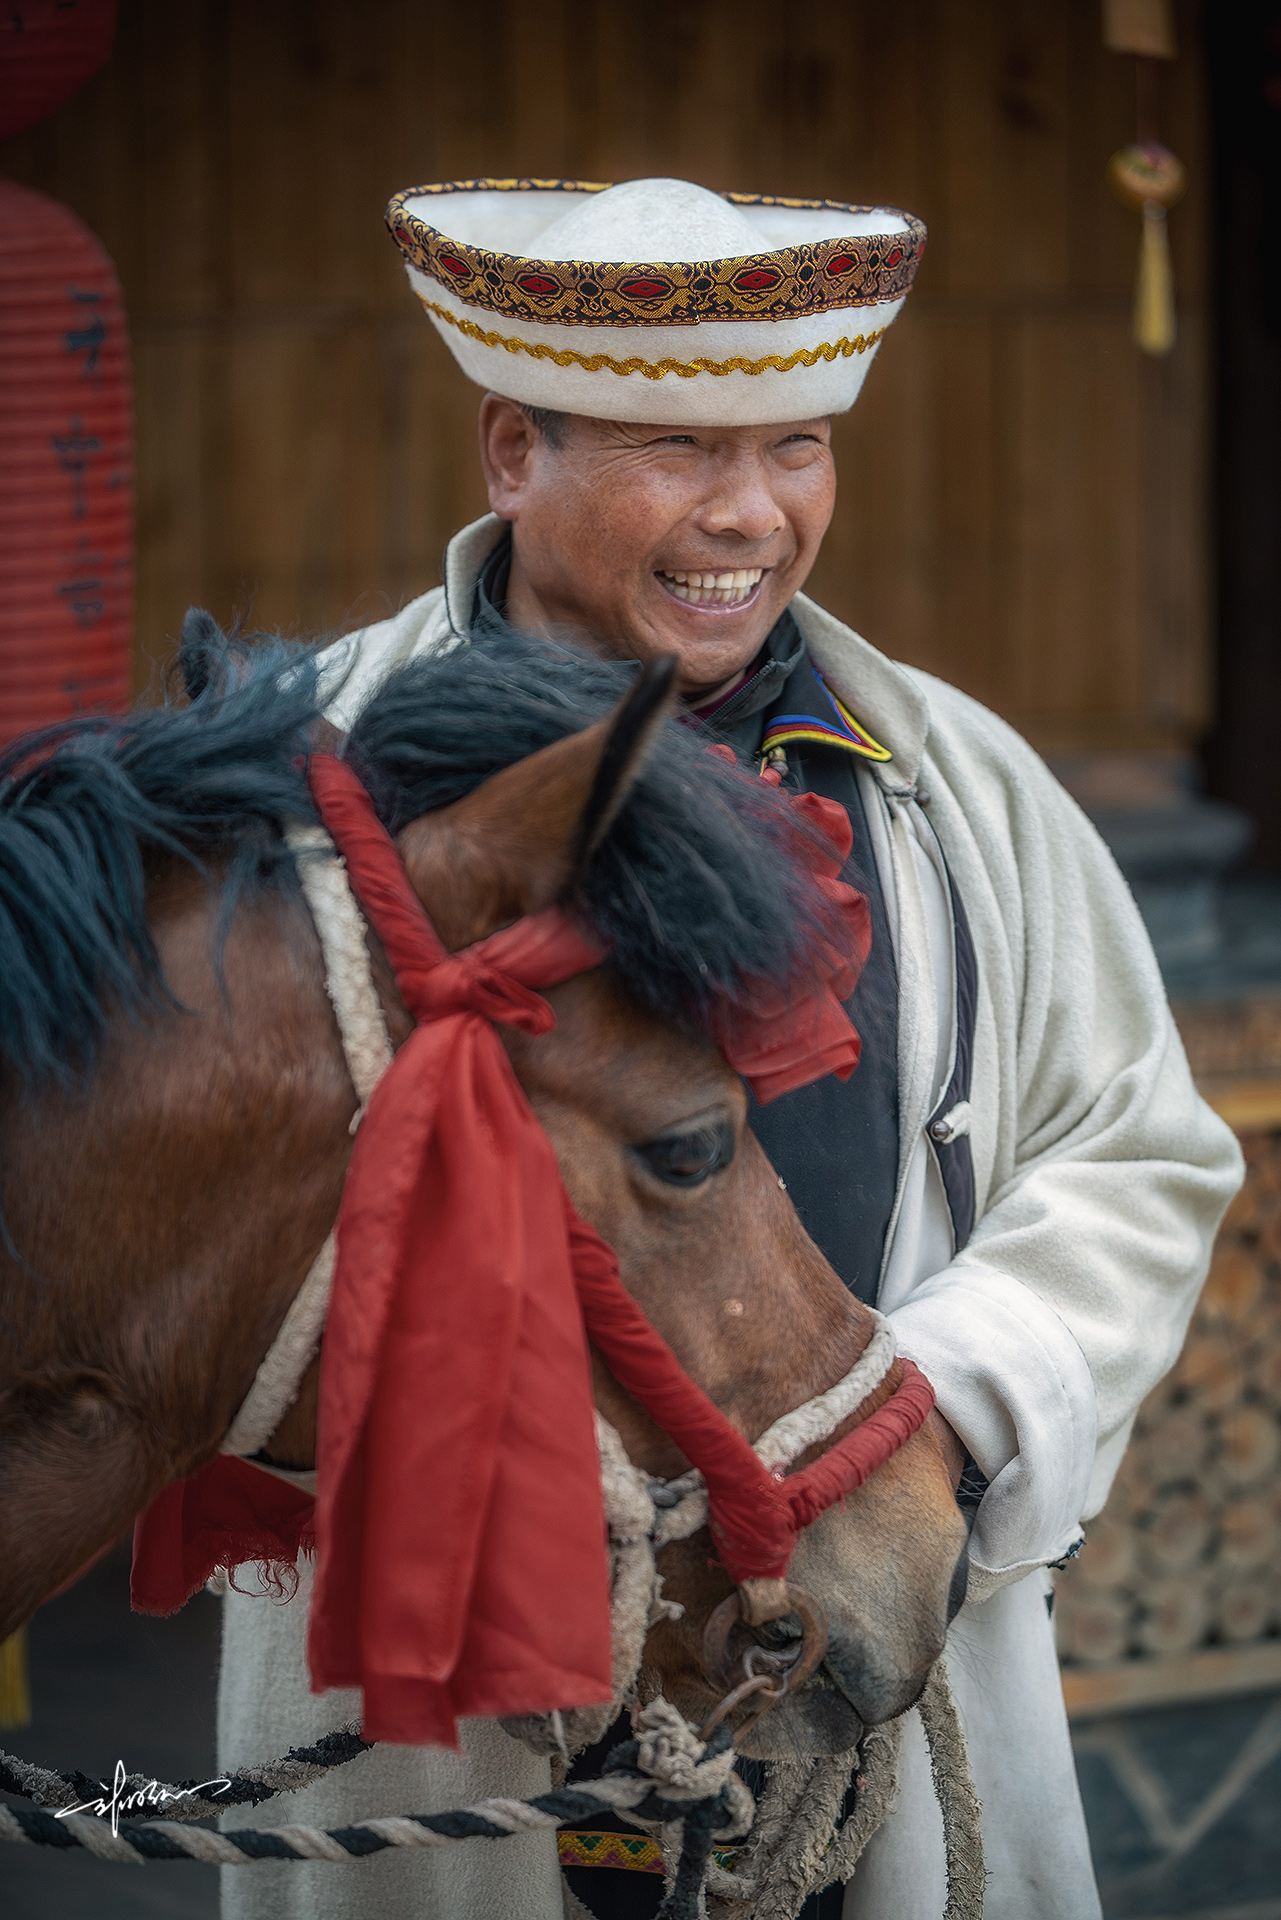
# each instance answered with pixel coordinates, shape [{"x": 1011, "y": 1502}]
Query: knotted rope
[
  {"x": 644, "y": 1514},
  {"x": 797, "y": 1844}
]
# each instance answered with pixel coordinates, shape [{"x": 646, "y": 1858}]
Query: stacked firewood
[{"x": 1187, "y": 1552}]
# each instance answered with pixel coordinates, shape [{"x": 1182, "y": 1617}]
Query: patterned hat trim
[
  {"x": 656, "y": 369},
  {"x": 841, "y": 730},
  {"x": 824, "y": 276}
]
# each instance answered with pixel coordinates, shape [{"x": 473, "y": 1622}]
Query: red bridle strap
[{"x": 755, "y": 1518}]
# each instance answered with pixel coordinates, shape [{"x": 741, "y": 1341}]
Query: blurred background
[{"x": 216, "y": 388}]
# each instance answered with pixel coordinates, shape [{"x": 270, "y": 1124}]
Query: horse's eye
[{"x": 687, "y": 1159}]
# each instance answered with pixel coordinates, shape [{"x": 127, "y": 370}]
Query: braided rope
[
  {"x": 188, "y": 1799},
  {"x": 644, "y": 1514},
  {"x": 666, "y": 1779},
  {"x": 349, "y": 982},
  {"x": 792, "y": 1844},
  {"x": 797, "y": 1845},
  {"x": 959, "y": 1804}
]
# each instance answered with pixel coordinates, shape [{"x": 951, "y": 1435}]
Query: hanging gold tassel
[
  {"x": 15, "y": 1691},
  {"x": 1150, "y": 178},
  {"x": 1155, "y": 327}
]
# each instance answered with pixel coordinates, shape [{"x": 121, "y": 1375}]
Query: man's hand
[{"x": 949, "y": 1445}]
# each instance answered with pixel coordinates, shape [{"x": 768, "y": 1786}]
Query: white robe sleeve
[{"x": 1101, "y": 1174}]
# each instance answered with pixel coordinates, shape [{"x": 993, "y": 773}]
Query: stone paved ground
[{"x": 1184, "y": 1804}]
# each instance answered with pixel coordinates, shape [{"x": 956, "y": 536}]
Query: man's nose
[{"x": 742, "y": 503}]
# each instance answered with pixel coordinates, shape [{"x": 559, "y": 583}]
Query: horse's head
[{"x": 679, "y": 862}]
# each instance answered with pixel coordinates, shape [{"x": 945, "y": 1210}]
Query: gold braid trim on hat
[{"x": 655, "y": 369}]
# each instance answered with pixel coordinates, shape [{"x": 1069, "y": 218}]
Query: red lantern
[
  {"x": 66, "y": 469},
  {"x": 48, "y": 48}
]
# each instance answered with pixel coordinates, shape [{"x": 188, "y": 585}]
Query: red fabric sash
[
  {"x": 459, "y": 1523},
  {"x": 459, "y": 1528},
  {"x": 788, "y": 1040}
]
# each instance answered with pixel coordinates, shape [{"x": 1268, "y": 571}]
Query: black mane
[
  {"x": 81, "y": 806},
  {"x": 696, "y": 887}
]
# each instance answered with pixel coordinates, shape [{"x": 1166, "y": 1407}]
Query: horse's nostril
[
  {"x": 780, "y": 1633},
  {"x": 757, "y": 1660}
]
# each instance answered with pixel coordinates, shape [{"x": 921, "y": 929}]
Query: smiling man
[
  {"x": 647, "y": 542},
  {"x": 1020, "y": 1174}
]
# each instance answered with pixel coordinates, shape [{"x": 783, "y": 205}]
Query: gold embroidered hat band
[{"x": 657, "y": 300}]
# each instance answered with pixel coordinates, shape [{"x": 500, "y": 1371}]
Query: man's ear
[
  {"x": 507, "y": 436},
  {"x": 528, "y": 833}
]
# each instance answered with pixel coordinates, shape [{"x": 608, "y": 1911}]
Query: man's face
[{"x": 654, "y": 540}]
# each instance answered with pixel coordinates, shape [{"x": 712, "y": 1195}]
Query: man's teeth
[{"x": 712, "y": 589}]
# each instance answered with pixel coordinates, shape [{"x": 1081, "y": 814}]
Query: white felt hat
[{"x": 657, "y": 300}]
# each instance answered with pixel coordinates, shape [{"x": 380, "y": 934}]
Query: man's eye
[{"x": 687, "y": 1159}]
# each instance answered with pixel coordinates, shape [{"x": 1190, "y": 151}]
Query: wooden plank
[
  {"x": 170, "y": 369},
  {"x": 171, "y": 64},
  {"x": 1248, "y": 1106},
  {"x": 433, "y": 482},
  {"x": 966, "y": 209},
  {"x": 1175, "y": 508},
  {"x": 1022, "y": 502},
  {"x": 1031, "y": 107},
  {"x": 294, "y": 509},
  {"x": 1071, "y": 639},
  {"x": 878, "y": 567},
  {"x": 1125, "y": 1686}
]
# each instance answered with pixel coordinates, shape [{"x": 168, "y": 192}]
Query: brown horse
[{"x": 174, "y": 1154}]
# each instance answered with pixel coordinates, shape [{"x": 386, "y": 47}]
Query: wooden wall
[{"x": 1022, "y": 493}]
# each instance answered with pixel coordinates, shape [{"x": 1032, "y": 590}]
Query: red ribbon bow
[{"x": 787, "y": 1040}]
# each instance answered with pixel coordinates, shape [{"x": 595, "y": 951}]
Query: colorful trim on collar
[
  {"x": 842, "y": 730},
  {"x": 589, "y": 1847}
]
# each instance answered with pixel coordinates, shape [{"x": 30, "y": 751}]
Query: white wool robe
[
  {"x": 1100, "y": 1178},
  {"x": 265, "y": 1707}
]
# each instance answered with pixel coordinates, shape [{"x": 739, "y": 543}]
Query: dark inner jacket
[{"x": 835, "y": 1144}]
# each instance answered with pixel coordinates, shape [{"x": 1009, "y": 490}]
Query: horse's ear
[
  {"x": 526, "y": 835},
  {"x": 633, "y": 727},
  {"x": 203, "y": 641}
]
